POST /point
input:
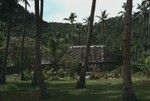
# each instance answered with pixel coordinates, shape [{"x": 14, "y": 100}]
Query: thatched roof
[{"x": 98, "y": 54}]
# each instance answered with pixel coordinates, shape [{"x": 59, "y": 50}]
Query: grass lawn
[{"x": 96, "y": 90}]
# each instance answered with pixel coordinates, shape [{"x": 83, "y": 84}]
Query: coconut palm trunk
[
  {"x": 35, "y": 80},
  {"x": 81, "y": 82},
  {"x": 128, "y": 91},
  {"x": 149, "y": 21},
  {"x": 38, "y": 77},
  {"x": 3, "y": 72},
  {"x": 6, "y": 53},
  {"x": 22, "y": 63},
  {"x": 41, "y": 78}
]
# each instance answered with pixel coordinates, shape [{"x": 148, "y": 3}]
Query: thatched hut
[{"x": 98, "y": 54}]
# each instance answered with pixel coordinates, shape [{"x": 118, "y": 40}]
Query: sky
[{"x": 57, "y": 10}]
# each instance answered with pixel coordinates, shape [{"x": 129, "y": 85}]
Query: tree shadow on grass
[
  {"x": 18, "y": 86},
  {"x": 95, "y": 92},
  {"x": 19, "y": 91},
  {"x": 142, "y": 89},
  {"x": 65, "y": 91}
]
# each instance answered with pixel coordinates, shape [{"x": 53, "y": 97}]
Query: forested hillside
[
  {"x": 36, "y": 50},
  {"x": 108, "y": 31}
]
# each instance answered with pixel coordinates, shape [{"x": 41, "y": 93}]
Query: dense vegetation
[
  {"x": 25, "y": 36},
  {"x": 107, "y": 32}
]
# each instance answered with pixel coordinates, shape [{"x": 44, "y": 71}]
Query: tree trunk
[
  {"x": 35, "y": 78},
  {"x": 22, "y": 64},
  {"x": 38, "y": 77},
  {"x": 128, "y": 92},
  {"x": 41, "y": 78},
  {"x": 81, "y": 82},
  {"x": 3, "y": 71}
]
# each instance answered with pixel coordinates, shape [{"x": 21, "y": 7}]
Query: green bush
[
  {"x": 27, "y": 75},
  {"x": 94, "y": 76},
  {"x": 51, "y": 75},
  {"x": 73, "y": 64}
]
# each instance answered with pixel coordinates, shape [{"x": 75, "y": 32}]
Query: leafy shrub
[
  {"x": 27, "y": 75},
  {"x": 116, "y": 73},
  {"x": 73, "y": 64},
  {"x": 51, "y": 75},
  {"x": 94, "y": 76}
]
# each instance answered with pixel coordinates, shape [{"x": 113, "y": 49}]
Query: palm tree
[
  {"x": 148, "y": 3},
  {"x": 38, "y": 77},
  {"x": 122, "y": 13},
  {"x": 149, "y": 19},
  {"x": 56, "y": 42},
  {"x": 71, "y": 19},
  {"x": 81, "y": 82},
  {"x": 11, "y": 4},
  {"x": 143, "y": 16},
  {"x": 86, "y": 24},
  {"x": 128, "y": 91},
  {"x": 23, "y": 40},
  {"x": 86, "y": 20},
  {"x": 102, "y": 20}
]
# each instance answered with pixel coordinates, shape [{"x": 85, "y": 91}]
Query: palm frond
[{"x": 66, "y": 19}]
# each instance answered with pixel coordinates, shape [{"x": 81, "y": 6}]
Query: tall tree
[
  {"x": 10, "y": 4},
  {"x": 148, "y": 1},
  {"x": 38, "y": 77},
  {"x": 57, "y": 47},
  {"x": 143, "y": 15},
  {"x": 22, "y": 62},
  {"x": 86, "y": 21},
  {"x": 102, "y": 20},
  {"x": 81, "y": 82},
  {"x": 122, "y": 13},
  {"x": 71, "y": 19},
  {"x": 128, "y": 91}
]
